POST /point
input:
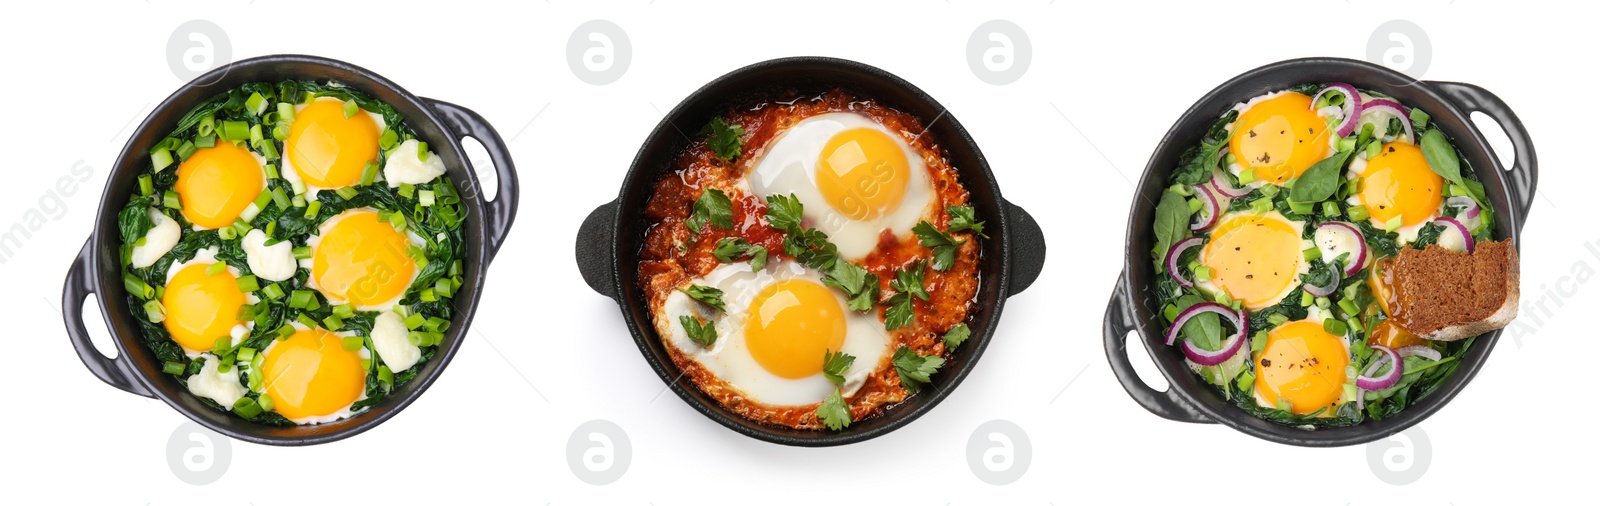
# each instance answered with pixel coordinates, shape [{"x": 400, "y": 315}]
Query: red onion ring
[
  {"x": 1466, "y": 233},
  {"x": 1360, "y": 259},
  {"x": 1391, "y": 107},
  {"x": 1230, "y": 347},
  {"x": 1220, "y": 183},
  {"x": 1420, "y": 351},
  {"x": 1352, "y": 106},
  {"x": 1333, "y": 286},
  {"x": 1234, "y": 317},
  {"x": 1469, "y": 207},
  {"x": 1389, "y": 379},
  {"x": 1209, "y": 205},
  {"x": 1172, "y": 260}
]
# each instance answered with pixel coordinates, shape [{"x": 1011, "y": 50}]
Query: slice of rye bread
[{"x": 1446, "y": 295}]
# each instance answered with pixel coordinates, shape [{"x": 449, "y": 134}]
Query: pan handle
[
  {"x": 595, "y": 255},
  {"x": 117, "y": 372},
  {"x": 1027, "y": 247},
  {"x": 500, "y": 212},
  {"x": 1524, "y": 173},
  {"x": 1120, "y": 319}
]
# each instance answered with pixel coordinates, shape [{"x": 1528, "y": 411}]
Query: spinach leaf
[
  {"x": 1204, "y": 330},
  {"x": 1383, "y": 243},
  {"x": 134, "y": 221},
  {"x": 1441, "y": 155},
  {"x": 1196, "y": 164},
  {"x": 1319, "y": 182},
  {"x": 1172, "y": 225},
  {"x": 1429, "y": 234}
]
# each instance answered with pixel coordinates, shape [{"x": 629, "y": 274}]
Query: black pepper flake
[
  {"x": 1266, "y": 363},
  {"x": 1391, "y": 149},
  {"x": 1252, "y": 133}
]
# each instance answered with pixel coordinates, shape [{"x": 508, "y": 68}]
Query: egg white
[
  {"x": 729, "y": 357},
  {"x": 292, "y": 175},
  {"x": 788, "y": 165},
  {"x": 207, "y": 257},
  {"x": 315, "y": 241}
]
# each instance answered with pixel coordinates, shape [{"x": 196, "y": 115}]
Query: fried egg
[
  {"x": 1255, "y": 258},
  {"x": 326, "y": 150},
  {"x": 1304, "y": 366},
  {"x": 356, "y": 258},
  {"x": 778, "y": 324},
  {"x": 311, "y": 378},
  {"x": 1278, "y": 136},
  {"x": 201, "y": 306},
  {"x": 1398, "y": 183},
  {"x": 854, "y": 177},
  {"x": 216, "y": 184}
]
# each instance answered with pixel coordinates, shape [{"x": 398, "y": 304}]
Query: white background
[{"x": 546, "y": 354}]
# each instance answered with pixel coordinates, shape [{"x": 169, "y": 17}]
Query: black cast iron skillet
[
  {"x": 97, "y": 269},
  {"x": 609, "y": 240},
  {"x": 1189, "y": 399}
]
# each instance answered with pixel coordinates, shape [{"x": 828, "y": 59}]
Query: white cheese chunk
[
  {"x": 161, "y": 238},
  {"x": 404, "y": 167}
]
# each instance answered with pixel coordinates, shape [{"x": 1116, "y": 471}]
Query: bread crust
[{"x": 1454, "y": 331}]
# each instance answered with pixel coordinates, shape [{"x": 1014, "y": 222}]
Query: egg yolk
[
  {"x": 215, "y": 184},
  {"x": 201, "y": 307},
  {"x": 327, "y": 149},
  {"x": 1377, "y": 282},
  {"x": 1280, "y": 137},
  {"x": 1304, "y": 365},
  {"x": 863, "y": 173},
  {"x": 1254, "y": 258},
  {"x": 311, "y": 374},
  {"x": 362, "y": 260},
  {"x": 792, "y": 324},
  {"x": 1388, "y": 334},
  {"x": 1399, "y": 183}
]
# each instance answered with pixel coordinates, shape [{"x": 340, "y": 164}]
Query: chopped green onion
[
  {"x": 344, "y": 311},
  {"x": 160, "y": 159},
  {"x": 272, "y": 226},
  {"x": 428, "y": 295},
  {"x": 146, "y": 185},
  {"x": 1312, "y": 253},
  {"x": 351, "y": 108},
  {"x": 299, "y": 299},
  {"x": 154, "y": 311},
  {"x": 1373, "y": 149},
  {"x": 246, "y": 354},
  {"x": 443, "y": 287},
  {"x": 205, "y": 141},
  {"x": 247, "y": 408},
  {"x": 347, "y": 192},
  {"x": 388, "y": 139},
  {"x": 1419, "y": 118},
  {"x": 255, "y": 136},
  {"x": 207, "y": 126},
  {"x": 306, "y": 320},
  {"x": 333, "y": 322},
  {"x": 1195, "y": 205},
  {"x": 1302, "y": 207},
  {"x": 1246, "y": 176},
  {"x": 426, "y": 198},
  {"x": 285, "y": 331},
  {"x": 1330, "y": 209},
  {"x": 312, "y": 208},
  {"x": 302, "y": 252},
  {"x": 1202, "y": 273},
  {"x": 353, "y": 343},
  {"x": 269, "y": 151},
  {"x": 455, "y": 268},
  {"x": 1349, "y": 307},
  {"x": 398, "y": 220},
  {"x": 1347, "y": 144},
  {"x": 417, "y": 338},
  {"x": 297, "y": 201},
  {"x": 235, "y": 130},
  {"x": 285, "y": 112},
  {"x": 1277, "y": 319},
  {"x": 264, "y": 199},
  {"x": 1393, "y": 224},
  {"x": 173, "y": 368},
  {"x": 1358, "y": 213},
  {"x": 272, "y": 171},
  {"x": 1334, "y": 327},
  {"x": 407, "y": 190},
  {"x": 280, "y": 198},
  {"x": 186, "y": 149},
  {"x": 1261, "y": 205},
  {"x": 1324, "y": 302},
  {"x": 422, "y": 151},
  {"x": 1306, "y": 299},
  {"x": 216, "y": 268},
  {"x": 256, "y": 104},
  {"x": 369, "y": 173},
  {"x": 415, "y": 320},
  {"x": 265, "y": 401},
  {"x": 226, "y": 233},
  {"x": 273, "y": 291},
  {"x": 248, "y": 284},
  {"x": 437, "y": 324},
  {"x": 221, "y": 345}
]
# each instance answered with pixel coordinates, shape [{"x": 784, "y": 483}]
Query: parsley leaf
[
  {"x": 860, "y": 285},
  {"x": 900, "y": 312},
  {"x": 784, "y": 212},
  {"x": 910, "y": 280},
  {"x": 811, "y": 247},
  {"x": 712, "y": 207},
  {"x": 703, "y": 335},
  {"x": 957, "y": 335},
  {"x": 833, "y": 411},
  {"x": 730, "y": 249},
  {"x": 915, "y": 370},
  {"x": 724, "y": 138},
  {"x": 944, "y": 246},
  {"x": 708, "y": 295},
  {"x": 834, "y": 364},
  {"x": 965, "y": 218}
]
